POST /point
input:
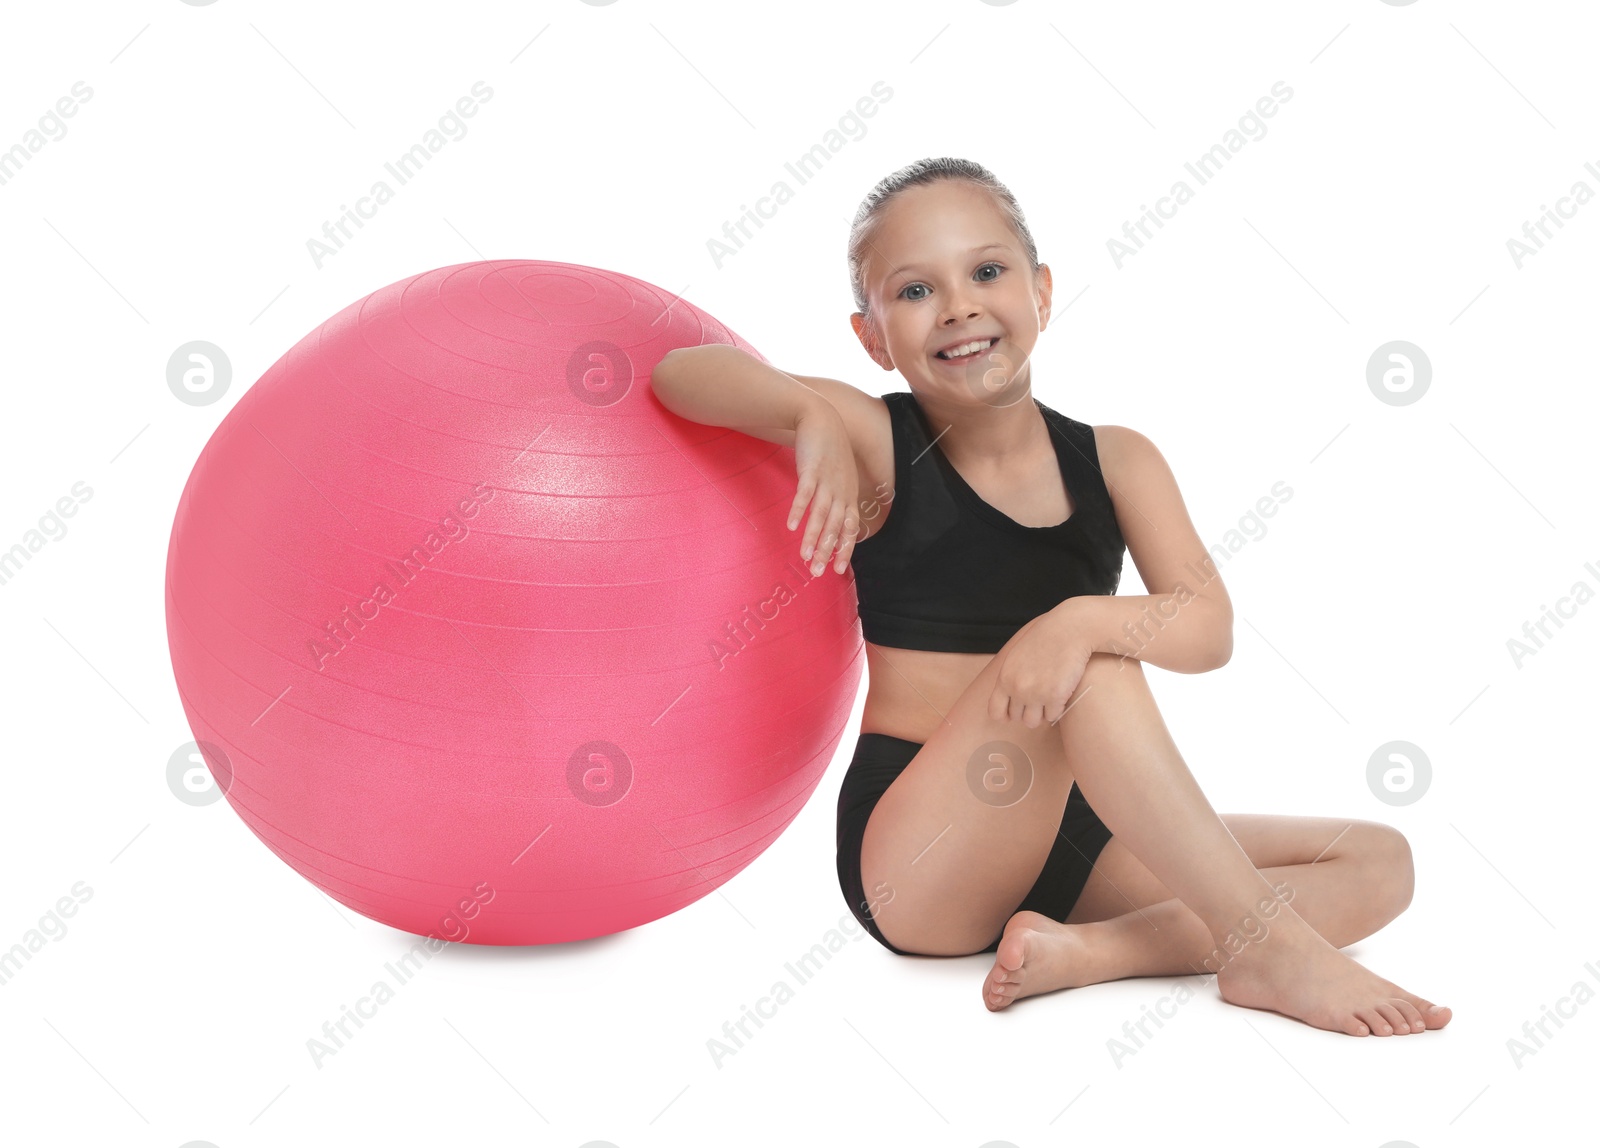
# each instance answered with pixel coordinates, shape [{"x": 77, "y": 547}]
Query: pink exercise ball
[{"x": 481, "y": 639}]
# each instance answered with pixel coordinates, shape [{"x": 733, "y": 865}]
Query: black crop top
[{"x": 949, "y": 572}]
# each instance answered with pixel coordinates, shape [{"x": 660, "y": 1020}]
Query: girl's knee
[
  {"x": 1389, "y": 874},
  {"x": 1398, "y": 864}
]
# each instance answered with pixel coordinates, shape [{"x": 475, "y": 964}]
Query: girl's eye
[{"x": 923, "y": 286}]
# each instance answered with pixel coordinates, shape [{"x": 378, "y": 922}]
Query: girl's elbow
[
  {"x": 1222, "y": 644},
  {"x": 663, "y": 383}
]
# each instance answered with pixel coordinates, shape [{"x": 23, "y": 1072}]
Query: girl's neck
[{"x": 981, "y": 434}]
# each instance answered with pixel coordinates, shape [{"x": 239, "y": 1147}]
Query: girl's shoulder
[{"x": 1123, "y": 450}]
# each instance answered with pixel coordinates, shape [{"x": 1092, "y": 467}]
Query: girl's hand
[
  {"x": 1040, "y": 671},
  {"x": 826, "y": 465}
]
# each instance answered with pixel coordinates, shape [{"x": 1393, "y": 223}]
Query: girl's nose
[{"x": 957, "y": 309}]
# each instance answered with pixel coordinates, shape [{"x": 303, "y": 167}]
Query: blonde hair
[{"x": 926, "y": 171}]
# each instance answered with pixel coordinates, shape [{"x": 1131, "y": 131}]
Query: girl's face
[{"x": 946, "y": 269}]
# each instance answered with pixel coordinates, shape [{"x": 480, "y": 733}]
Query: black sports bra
[{"x": 949, "y": 572}]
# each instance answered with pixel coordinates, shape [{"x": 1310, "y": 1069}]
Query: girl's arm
[
  {"x": 1185, "y": 622},
  {"x": 720, "y": 385}
]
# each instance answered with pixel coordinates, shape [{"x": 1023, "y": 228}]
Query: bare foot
[
  {"x": 1035, "y": 955},
  {"x": 1294, "y": 971}
]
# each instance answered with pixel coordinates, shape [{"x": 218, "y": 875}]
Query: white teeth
[{"x": 967, "y": 349}]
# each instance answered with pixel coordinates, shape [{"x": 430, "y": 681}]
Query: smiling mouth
[{"x": 981, "y": 351}]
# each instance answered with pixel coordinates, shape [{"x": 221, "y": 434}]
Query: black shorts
[{"x": 879, "y": 759}]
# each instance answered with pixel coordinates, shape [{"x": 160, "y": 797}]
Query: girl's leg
[
  {"x": 1121, "y": 883},
  {"x": 957, "y": 840},
  {"x": 1167, "y": 939},
  {"x": 1346, "y": 879},
  {"x": 1132, "y": 774}
]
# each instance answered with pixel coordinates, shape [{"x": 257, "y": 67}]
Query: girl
[{"x": 1007, "y": 710}]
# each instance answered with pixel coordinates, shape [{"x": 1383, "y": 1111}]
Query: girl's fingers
[
  {"x": 816, "y": 516},
  {"x": 811, "y": 548},
  {"x": 802, "y": 496},
  {"x": 847, "y": 549},
  {"x": 842, "y": 563},
  {"x": 832, "y": 526}
]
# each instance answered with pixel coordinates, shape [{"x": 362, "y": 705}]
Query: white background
[{"x": 1377, "y": 606}]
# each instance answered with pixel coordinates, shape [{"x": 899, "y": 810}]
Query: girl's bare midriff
[{"x": 909, "y": 691}]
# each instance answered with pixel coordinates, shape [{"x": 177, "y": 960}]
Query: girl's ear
[
  {"x": 868, "y": 334},
  {"x": 1043, "y": 286}
]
